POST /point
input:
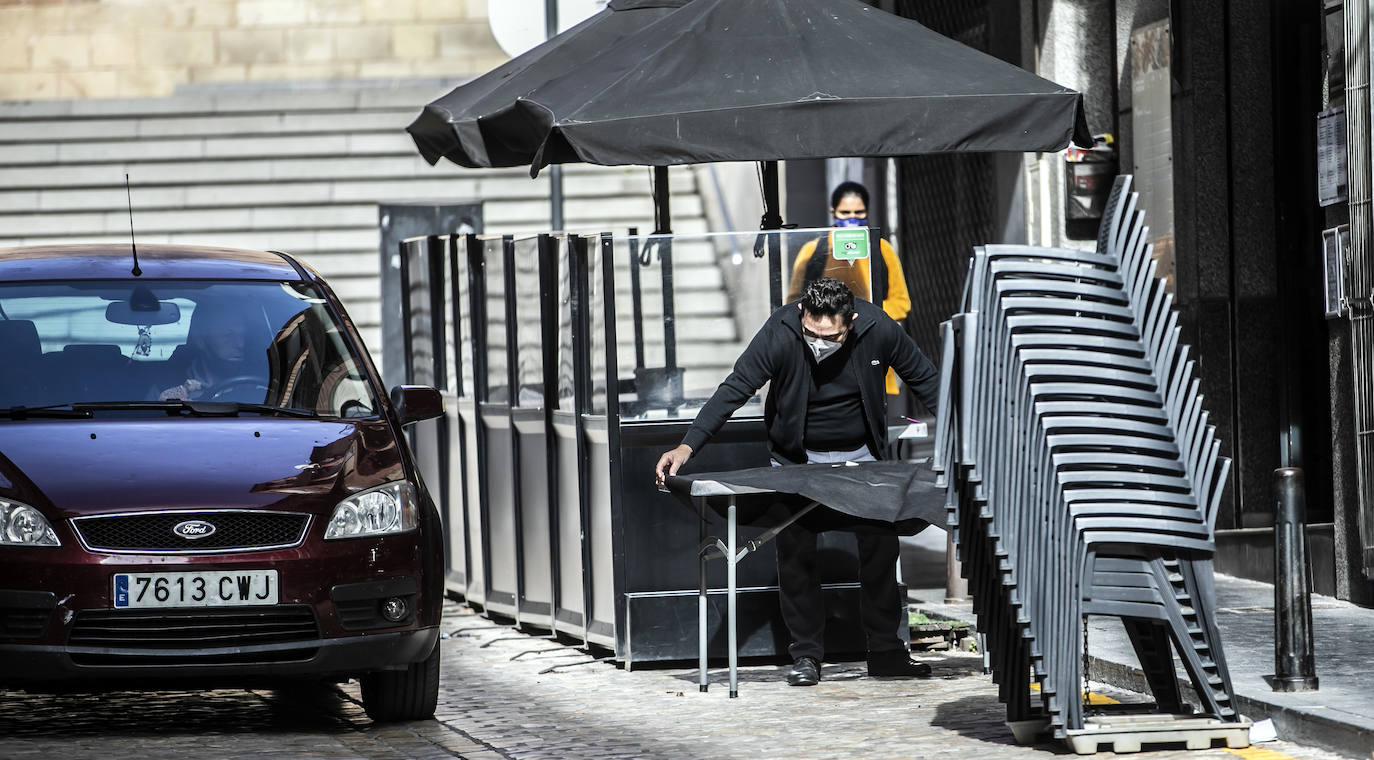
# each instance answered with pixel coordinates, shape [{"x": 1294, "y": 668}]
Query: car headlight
[
  {"x": 379, "y": 511},
  {"x": 22, "y": 525}
]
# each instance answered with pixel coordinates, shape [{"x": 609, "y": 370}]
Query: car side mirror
[{"x": 415, "y": 403}]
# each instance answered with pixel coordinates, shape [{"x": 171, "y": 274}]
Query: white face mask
[{"x": 821, "y": 347}]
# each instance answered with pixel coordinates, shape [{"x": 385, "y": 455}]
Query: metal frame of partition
[
  {"x": 532, "y": 505},
  {"x": 478, "y": 543},
  {"x": 500, "y": 523},
  {"x": 548, "y": 339},
  {"x": 457, "y": 427},
  {"x": 435, "y": 271},
  {"x": 565, "y": 619},
  {"x": 616, "y": 536},
  {"x": 594, "y": 631}
]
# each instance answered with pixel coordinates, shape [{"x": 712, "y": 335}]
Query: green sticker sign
[{"x": 849, "y": 245}]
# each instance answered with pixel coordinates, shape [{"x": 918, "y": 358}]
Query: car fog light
[{"x": 395, "y": 609}]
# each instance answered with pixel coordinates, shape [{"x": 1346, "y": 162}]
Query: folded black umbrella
[{"x": 872, "y": 497}]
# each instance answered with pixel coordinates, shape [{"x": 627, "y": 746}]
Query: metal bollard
[
  {"x": 956, "y": 585},
  {"x": 1293, "y": 660}
]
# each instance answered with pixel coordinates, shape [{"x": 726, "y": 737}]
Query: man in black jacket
[{"x": 827, "y": 357}]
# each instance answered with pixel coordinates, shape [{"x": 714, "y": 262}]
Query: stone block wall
[{"x": 146, "y": 48}]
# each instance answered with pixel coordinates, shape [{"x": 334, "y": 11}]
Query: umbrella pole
[
  {"x": 663, "y": 217},
  {"x": 555, "y": 171},
  {"x": 663, "y": 225},
  {"x": 636, "y": 298},
  {"x": 772, "y": 220}
]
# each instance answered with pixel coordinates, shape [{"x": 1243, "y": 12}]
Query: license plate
[{"x": 221, "y": 588}]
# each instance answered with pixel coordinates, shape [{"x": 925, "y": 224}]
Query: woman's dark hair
[
  {"x": 848, "y": 188},
  {"x": 828, "y": 297}
]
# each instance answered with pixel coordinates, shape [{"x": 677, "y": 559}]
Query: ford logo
[{"x": 193, "y": 529}]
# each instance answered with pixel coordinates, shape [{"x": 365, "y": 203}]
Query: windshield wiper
[
  {"x": 52, "y": 411},
  {"x": 232, "y": 408},
  {"x": 87, "y": 409}
]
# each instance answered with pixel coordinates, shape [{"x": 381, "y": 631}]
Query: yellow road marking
[
  {"x": 1259, "y": 753},
  {"x": 1092, "y": 697}
]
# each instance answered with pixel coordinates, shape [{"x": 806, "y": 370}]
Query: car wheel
[{"x": 410, "y": 694}]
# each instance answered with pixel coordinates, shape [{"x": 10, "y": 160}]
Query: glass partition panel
[
  {"x": 446, "y": 295},
  {"x": 596, "y": 323},
  {"x": 494, "y": 281},
  {"x": 567, "y": 361},
  {"x": 415, "y": 252},
  {"x": 842, "y": 256},
  {"x": 529, "y": 346},
  {"x": 460, "y": 306},
  {"x": 686, "y": 306}
]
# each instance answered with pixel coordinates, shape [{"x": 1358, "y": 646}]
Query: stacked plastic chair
[{"x": 1082, "y": 476}]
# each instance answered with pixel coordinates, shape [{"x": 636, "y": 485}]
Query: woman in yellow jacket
[{"x": 849, "y": 207}]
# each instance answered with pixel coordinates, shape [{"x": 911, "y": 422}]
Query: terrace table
[{"x": 892, "y": 497}]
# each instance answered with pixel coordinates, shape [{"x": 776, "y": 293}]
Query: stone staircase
[{"x": 303, "y": 171}]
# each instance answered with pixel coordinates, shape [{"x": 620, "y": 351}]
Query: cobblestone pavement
[{"x": 496, "y": 703}]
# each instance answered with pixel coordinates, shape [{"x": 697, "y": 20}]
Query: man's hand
[{"x": 672, "y": 461}]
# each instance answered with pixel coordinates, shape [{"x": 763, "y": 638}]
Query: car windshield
[{"x": 274, "y": 344}]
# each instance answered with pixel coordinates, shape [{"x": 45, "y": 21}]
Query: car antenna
[{"x": 133, "y": 245}]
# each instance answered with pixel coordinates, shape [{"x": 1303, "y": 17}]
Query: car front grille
[
  {"x": 151, "y": 532},
  {"x": 192, "y": 637}
]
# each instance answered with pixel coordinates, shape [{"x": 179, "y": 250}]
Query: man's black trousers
[{"x": 803, "y": 602}]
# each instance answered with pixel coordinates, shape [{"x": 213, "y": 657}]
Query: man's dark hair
[
  {"x": 828, "y": 297},
  {"x": 845, "y": 189}
]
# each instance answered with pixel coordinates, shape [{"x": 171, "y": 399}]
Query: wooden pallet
[{"x": 1127, "y": 733}]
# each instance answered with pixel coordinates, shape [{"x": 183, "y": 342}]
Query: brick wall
[{"x": 142, "y": 48}]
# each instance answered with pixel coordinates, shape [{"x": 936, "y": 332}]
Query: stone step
[
  {"x": 227, "y": 228},
  {"x": 388, "y": 142},
  {"x": 350, "y": 190},
  {"x": 110, "y": 173},
  {"x": 259, "y": 99},
  {"x": 211, "y": 219},
  {"x": 204, "y": 123}
]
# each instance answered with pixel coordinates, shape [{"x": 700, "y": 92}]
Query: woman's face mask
[{"x": 851, "y": 211}]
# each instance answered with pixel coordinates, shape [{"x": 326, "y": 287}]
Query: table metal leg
[
  {"x": 703, "y": 681},
  {"x": 731, "y": 558}
]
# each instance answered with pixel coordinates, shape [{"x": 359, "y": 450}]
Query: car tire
[{"x": 410, "y": 694}]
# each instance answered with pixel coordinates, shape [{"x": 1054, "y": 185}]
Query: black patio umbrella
[
  {"x": 761, "y": 80},
  {"x": 745, "y": 80},
  {"x": 470, "y": 125}
]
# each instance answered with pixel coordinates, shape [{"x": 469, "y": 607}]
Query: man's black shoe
[
  {"x": 805, "y": 672},
  {"x": 896, "y": 664}
]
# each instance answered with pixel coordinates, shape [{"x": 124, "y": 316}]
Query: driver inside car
[{"x": 217, "y": 356}]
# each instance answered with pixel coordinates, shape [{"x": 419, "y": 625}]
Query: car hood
[{"x": 86, "y": 467}]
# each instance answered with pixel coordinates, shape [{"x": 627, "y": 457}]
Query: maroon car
[{"x": 203, "y": 484}]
